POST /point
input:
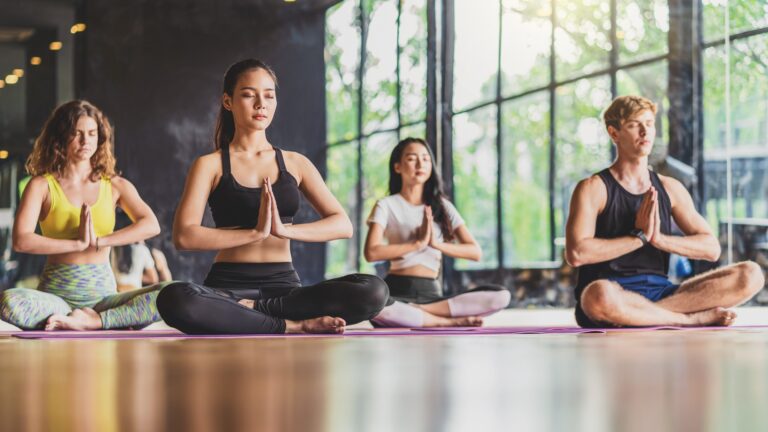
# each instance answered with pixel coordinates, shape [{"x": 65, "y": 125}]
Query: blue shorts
[{"x": 651, "y": 286}]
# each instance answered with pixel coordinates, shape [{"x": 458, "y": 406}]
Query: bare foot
[
  {"x": 713, "y": 317},
  {"x": 325, "y": 324},
  {"x": 438, "y": 321},
  {"x": 247, "y": 303},
  {"x": 78, "y": 319}
]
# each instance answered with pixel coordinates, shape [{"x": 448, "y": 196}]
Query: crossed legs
[
  {"x": 701, "y": 300},
  {"x": 466, "y": 309}
]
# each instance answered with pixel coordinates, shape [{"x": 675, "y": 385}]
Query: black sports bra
[{"x": 236, "y": 206}]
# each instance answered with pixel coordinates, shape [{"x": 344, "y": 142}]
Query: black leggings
[
  {"x": 213, "y": 308},
  {"x": 422, "y": 290}
]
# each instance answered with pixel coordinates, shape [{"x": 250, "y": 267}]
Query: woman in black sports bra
[{"x": 252, "y": 189}]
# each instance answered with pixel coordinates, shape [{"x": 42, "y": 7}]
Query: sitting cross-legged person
[{"x": 619, "y": 236}]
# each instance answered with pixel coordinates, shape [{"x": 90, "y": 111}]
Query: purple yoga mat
[
  {"x": 657, "y": 328},
  {"x": 441, "y": 331},
  {"x": 170, "y": 334}
]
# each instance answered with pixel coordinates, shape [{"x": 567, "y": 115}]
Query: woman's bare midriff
[
  {"x": 417, "y": 271},
  {"x": 90, "y": 256},
  {"x": 270, "y": 250}
]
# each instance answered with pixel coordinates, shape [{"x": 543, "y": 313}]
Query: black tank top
[
  {"x": 618, "y": 220},
  {"x": 235, "y": 205}
]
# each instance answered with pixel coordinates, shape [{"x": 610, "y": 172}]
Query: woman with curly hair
[{"x": 73, "y": 196}]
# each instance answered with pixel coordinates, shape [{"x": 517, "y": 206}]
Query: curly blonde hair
[{"x": 49, "y": 154}]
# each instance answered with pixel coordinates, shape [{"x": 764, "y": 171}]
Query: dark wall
[
  {"x": 156, "y": 70},
  {"x": 44, "y": 86},
  {"x": 58, "y": 15}
]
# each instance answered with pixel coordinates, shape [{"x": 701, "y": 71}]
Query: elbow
[
  {"x": 20, "y": 243},
  {"x": 179, "y": 244},
  {"x": 346, "y": 230},
  {"x": 714, "y": 253},
  {"x": 369, "y": 257},
  {"x": 477, "y": 254},
  {"x": 156, "y": 230},
  {"x": 370, "y": 254},
  {"x": 347, "y": 233},
  {"x": 573, "y": 257},
  {"x": 20, "y": 246},
  {"x": 180, "y": 241},
  {"x": 711, "y": 251}
]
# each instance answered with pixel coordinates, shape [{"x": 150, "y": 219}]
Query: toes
[{"x": 52, "y": 323}]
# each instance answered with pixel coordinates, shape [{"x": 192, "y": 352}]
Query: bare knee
[
  {"x": 600, "y": 300},
  {"x": 750, "y": 278}
]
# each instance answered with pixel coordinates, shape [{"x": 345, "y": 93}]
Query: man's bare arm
[
  {"x": 581, "y": 246},
  {"x": 698, "y": 242}
]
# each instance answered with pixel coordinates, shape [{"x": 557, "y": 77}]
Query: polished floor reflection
[{"x": 649, "y": 381}]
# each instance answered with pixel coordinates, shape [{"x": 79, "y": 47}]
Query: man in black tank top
[{"x": 619, "y": 235}]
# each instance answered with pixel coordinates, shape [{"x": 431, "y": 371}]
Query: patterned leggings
[{"x": 64, "y": 287}]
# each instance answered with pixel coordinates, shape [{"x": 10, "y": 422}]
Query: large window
[
  {"x": 735, "y": 110},
  {"x": 521, "y": 87},
  {"x": 530, "y": 85},
  {"x": 376, "y": 73}
]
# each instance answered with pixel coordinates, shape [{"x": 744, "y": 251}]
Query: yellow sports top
[{"x": 63, "y": 219}]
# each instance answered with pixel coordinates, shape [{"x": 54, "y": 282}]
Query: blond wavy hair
[
  {"x": 624, "y": 107},
  {"x": 49, "y": 154}
]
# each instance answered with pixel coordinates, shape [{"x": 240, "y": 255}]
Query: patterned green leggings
[{"x": 64, "y": 287}]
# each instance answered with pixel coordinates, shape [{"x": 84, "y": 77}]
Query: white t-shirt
[
  {"x": 141, "y": 258},
  {"x": 401, "y": 221}
]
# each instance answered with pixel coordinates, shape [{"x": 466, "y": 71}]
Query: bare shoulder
[
  {"x": 590, "y": 195},
  {"x": 37, "y": 183},
  {"x": 121, "y": 184},
  {"x": 672, "y": 184},
  {"x": 207, "y": 166},
  {"x": 592, "y": 186},
  {"x": 675, "y": 189},
  {"x": 37, "y": 188},
  {"x": 210, "y": 161},
  {"x": 298, "y": 164},
  {"x": 297, "y": 159}
]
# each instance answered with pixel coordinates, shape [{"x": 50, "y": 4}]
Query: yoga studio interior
[{"x": 534, "y": 208}]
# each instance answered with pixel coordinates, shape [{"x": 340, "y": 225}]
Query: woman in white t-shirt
[
  {"x": 133, "y": 266},
  {"x": 412, "y": 229}
]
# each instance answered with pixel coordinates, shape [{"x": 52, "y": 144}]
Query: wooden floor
[{"x": 648, "y": 381}]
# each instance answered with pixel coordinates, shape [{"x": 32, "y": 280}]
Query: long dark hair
[
  {"x": 122, "y": 256},
  {"x": 225, "y": 123},
  {"x": 433, "y": 194}
]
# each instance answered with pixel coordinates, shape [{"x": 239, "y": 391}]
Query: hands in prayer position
[
  {"x": 647, "y": 218},
  {"x": 426, "y": 235},
  {"x": 269, "y": 222},
  {"x": 87, "y": 233}
]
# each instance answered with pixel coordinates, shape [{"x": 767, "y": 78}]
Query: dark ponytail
[
  {"x": 225, "y": 123},
  {"x": 433, "y": 195}
]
